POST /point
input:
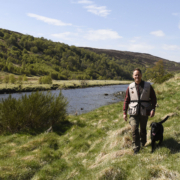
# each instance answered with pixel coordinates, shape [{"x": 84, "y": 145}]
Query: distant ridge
[{"x": 144, "y": 58}]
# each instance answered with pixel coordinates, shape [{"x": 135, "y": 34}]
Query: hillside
[
  {"x": 97, "y": 146},
  {"x": 24, "y": 54},
  {"x": 143, "y": 59}
]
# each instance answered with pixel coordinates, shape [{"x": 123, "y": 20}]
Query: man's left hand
[{"x": 152, "y": 113}]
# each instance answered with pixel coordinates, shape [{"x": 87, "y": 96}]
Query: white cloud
[
  {"x": 101, "y": 34},
  {"x": 93, "y": 8},
  {"x": 65, "y": 35},
  {"x": 179, "y": 26},
  {"x": 55, "y": 22},
  {"x": 171, "y": 47},
  {"x": 84, "y": 2},
  {"x": 98, "y": 10},
  {"x": 158, "y": 33}
]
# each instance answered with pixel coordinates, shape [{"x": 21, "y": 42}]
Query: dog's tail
[{"x": 164, "y": 120}]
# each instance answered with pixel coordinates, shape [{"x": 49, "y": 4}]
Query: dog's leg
[
  {"x": 160, "y": 141},
  {"x": 152, "y": 145}
]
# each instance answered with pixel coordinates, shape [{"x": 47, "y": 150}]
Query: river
[{"x": 83, "y": 100}]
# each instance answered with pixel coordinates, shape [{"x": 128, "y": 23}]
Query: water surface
[{"x": 83, "y": 100}]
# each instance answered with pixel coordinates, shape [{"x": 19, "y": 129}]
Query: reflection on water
[{"x": 85, "y": 99}]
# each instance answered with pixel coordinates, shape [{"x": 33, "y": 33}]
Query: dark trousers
[{"x": 138, "y": 136}]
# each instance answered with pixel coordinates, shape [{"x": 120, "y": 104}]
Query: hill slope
[
  {"x": 97, "y": 145},
  {"x": 143, "y": 59},
  {"x": 25, "y": 54}
]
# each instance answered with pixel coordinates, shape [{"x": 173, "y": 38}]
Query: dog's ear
[{"x": 151, "y": 124}]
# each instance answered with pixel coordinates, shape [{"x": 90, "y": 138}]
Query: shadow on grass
[
  {"x": 172, "y": 145},
  {"x": 63, "y": 127}
]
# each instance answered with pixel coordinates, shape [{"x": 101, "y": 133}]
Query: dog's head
[{"x": 154, "y": 128}]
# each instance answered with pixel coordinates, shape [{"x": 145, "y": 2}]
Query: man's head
[{"x": 137, "y": 75}]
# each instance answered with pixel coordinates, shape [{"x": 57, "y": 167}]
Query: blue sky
[{"x": 129, "y": 25}]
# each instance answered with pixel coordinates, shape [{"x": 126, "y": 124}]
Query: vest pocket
[
  {"x": 145, "y": 109},
  {"x": 133, "y": 109}
]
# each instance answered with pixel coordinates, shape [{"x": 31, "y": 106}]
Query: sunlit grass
[
  {"x": 97, "y": 146},
  {"x": 32, "y": 84}
]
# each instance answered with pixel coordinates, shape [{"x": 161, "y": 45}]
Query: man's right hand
[{"x": 125, "y": 117}]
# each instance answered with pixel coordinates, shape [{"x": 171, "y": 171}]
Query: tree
[
  {"x": 34, "y": 49},
  {"x": 159, "y": 68},
  {"x": 157, "y": 73}
]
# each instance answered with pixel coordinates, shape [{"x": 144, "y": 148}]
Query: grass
[
  {"x": 33, "y": 85},
  {"x": 97, "y": 146}
]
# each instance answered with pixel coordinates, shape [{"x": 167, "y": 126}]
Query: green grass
[
  {"x": 33, "y": 84},
  {"x": 97, "y": 146}
]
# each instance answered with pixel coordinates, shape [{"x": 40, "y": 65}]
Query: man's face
[{"x": 137, "y": 77}]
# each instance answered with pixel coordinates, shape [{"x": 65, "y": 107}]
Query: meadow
[
  {"x": 32, "y": 84},
  {"x": 97, "y": 145}
]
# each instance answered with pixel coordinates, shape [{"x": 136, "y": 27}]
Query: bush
[
  {"x": 12, "y": 79},
  {"x": 162, "y": 79},
  {"x": 45, "y": 80},
  {"x": 84, "y": 83},
  {"x": 54, "y": 75},
  {"x": 25, "y": 78},
  {"x": 34, "y": 113}
]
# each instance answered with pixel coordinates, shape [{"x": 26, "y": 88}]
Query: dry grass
[{"x": 33, "y": 83}]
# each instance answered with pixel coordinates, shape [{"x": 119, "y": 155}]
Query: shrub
[
  {"x": 84, "y": 83},
  {"x": 34, "y": 113},
  {"x": 25, "y": 78},
  {"x": 45, "y": 80},
  {"x": 12, "y": 79},
  {"x": 164, "y": 78},
  {"x": 54, "y": 75}
]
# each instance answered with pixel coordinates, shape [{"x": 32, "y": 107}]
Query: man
[{"x": 141, "y": 99}]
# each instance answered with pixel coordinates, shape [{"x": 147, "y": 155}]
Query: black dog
[{"x": 157, "y": 130}]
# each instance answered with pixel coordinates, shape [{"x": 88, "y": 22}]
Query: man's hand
[
  {"x": 125, "y": 117},
  {"x": 152, "y": 113}
]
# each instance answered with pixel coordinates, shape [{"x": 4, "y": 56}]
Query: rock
[{"x": 120, "y": 93}]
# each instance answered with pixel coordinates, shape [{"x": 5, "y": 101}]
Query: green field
[
  {"x": 97, "y": 145},
  {"x": 32, "y": 84}
]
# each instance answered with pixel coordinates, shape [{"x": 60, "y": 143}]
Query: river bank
[{"x": 32, "y": 85}]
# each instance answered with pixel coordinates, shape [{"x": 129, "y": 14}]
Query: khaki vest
[{"x": 143, "y": 103}]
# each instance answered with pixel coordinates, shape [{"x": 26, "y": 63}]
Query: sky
[{"x": 145, "y": 26}]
